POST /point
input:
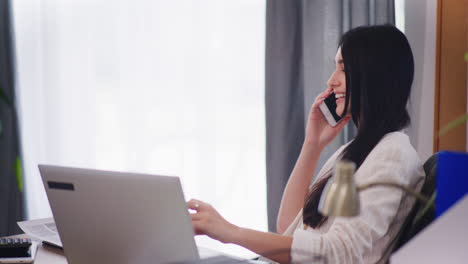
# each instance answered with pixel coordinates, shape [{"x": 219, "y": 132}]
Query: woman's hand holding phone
[{"x": 318, "y": 132}]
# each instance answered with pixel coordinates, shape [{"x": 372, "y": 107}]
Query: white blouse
[{"x": 364, "y": 238}]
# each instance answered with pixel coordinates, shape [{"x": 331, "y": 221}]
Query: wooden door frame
[{"x": 450, "y": 95}]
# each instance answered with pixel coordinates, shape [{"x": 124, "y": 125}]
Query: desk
[
  {"x": 49, "y": 255},
  {"x": 52, "y": 255}
]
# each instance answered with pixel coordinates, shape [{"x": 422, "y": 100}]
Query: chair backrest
[{"x": 420, "y": 215}]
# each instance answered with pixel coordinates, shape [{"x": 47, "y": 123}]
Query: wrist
[
  {"x": 311, "y": 147},
  {"x": 235, "y": 235}
]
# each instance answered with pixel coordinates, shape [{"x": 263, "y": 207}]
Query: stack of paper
[{"x": 42, "y": 229}]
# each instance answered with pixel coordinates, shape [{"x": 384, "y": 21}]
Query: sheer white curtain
[
  {"x": 163, "y": 87},
  {"x": 400, "y": 14}
]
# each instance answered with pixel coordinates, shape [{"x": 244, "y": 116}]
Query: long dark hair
[{"x": 379, "y": 70}]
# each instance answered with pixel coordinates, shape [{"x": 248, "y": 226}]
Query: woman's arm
[
  {"x": 296, "y": 189},
  {"x": 318, "y": 135},
  {"x": 348, "y": 239},
  {"x": 207, "y": 221},
  {"x": 269, "y": 245}
]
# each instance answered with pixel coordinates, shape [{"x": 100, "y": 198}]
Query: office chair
[{"x": 421, "y": 215}]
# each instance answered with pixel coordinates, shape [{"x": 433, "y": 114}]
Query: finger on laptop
[{"x": 195, "y": 204}]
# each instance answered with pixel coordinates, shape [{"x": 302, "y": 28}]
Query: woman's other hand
[
  {"x": 207, "y": 221},
  {"x": 318, "y": 132}
]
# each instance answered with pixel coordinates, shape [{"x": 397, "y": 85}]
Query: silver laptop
[{"x": 116, "y": 217}]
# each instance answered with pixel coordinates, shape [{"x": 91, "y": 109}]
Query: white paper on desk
[{"x": 42, "y": 229}]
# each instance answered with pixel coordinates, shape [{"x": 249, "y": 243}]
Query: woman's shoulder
[
  {"x": 396, "y": 136},
  {"x": 394, "y": 152},
  {"x": 396, "y": 143},
  {"x": 395, "y": 149}
]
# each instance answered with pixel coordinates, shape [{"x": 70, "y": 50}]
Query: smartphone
[
  {"x": 328, "y": 108},
  {"x": 29, "y": 258}
]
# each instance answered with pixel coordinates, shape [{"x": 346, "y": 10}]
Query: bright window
[
  {"x": 162, "y": 87},
  {"x": 400, "y": 14}
]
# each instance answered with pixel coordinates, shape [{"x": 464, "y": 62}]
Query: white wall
[{"x": 420, "y": 28}]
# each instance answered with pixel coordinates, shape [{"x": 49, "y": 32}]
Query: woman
[{"x": 372, "y": 81}]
